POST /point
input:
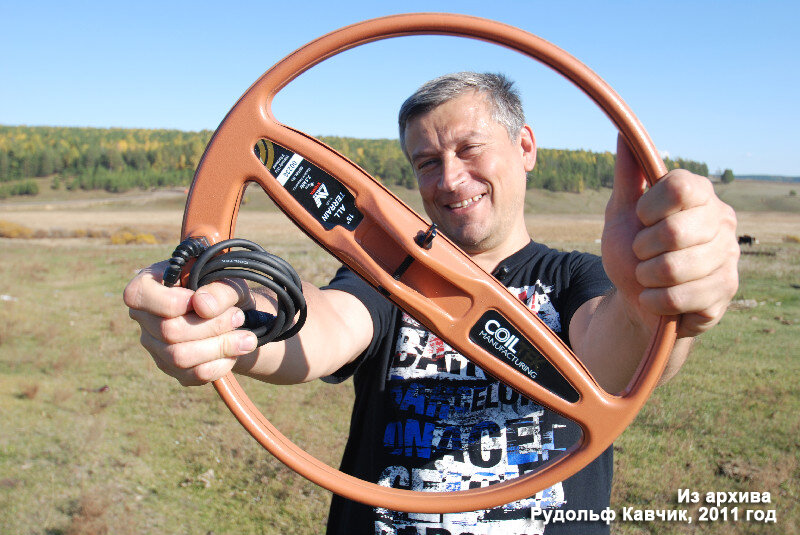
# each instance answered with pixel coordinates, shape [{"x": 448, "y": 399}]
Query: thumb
[{"x": 629, "y": 178}]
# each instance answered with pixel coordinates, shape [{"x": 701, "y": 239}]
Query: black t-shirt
[{"x": 426, "y": 418}]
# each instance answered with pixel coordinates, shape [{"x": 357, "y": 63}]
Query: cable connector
[
  {"x": 189, "y": 248},
  {"x": 256, "y": 319}
]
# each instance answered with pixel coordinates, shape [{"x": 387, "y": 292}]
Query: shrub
[
  {"x": 146, "y": 237},
  {"x": 791, "y": 238},
  {"x": 127, "y": 236},
  {"x": 122, "y": 237},
  {"x": 97, "y": 233},
  {"x": 59, "y": 233},
  {"x": 14, "y": 230}
]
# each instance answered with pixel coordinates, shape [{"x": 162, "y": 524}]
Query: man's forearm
[
  {"x": 615, "y": 340},
  {"x": 329, "y": 339}
]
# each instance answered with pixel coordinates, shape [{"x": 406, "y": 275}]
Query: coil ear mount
[{"x": 251, "y": 262}]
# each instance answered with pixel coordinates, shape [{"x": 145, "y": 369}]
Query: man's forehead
[
  {"x": 468, "y": 116},
  {"x": 467, "y": 100},
  {"x": 463, "y": 109}
]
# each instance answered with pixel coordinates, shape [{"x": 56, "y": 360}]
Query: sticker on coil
[
  {"x": 319, "y": 193},
  {"x": 496, "y": 335}
]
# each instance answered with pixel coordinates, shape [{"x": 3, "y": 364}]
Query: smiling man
[
  {"x": 426, "y": 418},
  {"x": 471, "y": 174}
]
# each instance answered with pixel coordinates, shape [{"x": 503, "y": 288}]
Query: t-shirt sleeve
[
  {"x": 586, "y": 280},
  {"x": 380, "y": 310}
]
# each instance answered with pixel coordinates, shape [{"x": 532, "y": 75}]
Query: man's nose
[{"x": 453, "y": 173}]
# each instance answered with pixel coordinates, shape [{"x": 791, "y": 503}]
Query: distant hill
[{"x": 770, "y": 178}]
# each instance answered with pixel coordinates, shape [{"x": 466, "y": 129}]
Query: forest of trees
[
  {"x": 114, "y": 159},
  {"x": 118, "y": 160}
]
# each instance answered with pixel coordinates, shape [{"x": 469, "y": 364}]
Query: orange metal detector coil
[{"x": 377, "y": 236}]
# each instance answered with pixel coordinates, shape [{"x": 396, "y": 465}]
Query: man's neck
[{"x": 489, "y": 260}]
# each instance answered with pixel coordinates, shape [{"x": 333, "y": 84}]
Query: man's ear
[{"x": 528, "y": 145}]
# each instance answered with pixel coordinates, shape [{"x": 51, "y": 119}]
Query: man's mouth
[{"x": 465, "y": 202}]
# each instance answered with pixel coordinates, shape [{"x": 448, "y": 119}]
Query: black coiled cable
[{"x": 252, "y": 264}]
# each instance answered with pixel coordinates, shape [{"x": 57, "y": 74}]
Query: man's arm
[
  {"x": 611, "y": 345},
  {"x": 670, "y": 250},
  {"x": 192, "y": 336},
  {"x": 337, "y": 330}
]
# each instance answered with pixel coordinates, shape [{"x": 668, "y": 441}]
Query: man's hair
[{"x": 504, "y": 102}]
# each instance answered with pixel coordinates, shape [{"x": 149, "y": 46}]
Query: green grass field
[{"x": 95, "y": 439}]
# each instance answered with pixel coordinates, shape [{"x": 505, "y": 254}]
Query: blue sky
[{"x": 715, "y": 81}]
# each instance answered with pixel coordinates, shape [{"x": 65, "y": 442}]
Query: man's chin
[{"x": 470, "y": 242}]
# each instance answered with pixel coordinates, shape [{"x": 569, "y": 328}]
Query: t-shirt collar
[{"x": 507, "y": 266}]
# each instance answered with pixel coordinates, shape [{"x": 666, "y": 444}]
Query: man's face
[{"x": 471, "y": 174}]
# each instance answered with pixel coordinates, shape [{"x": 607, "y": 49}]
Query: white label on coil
[{"x": 289, "y": 169}]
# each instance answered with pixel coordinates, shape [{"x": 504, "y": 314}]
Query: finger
[
  {"x": 694, "y": 324},
  {"x": 200, "y": 374},
  {"x": 629, "y": 178},
  {"x": 175, "y": 359},
  {"x": 215, "y": 298},
  {"x": 705, "y": 296},
  {"x": 146, "y": 293},
  {"x": 156, "y": 271},
  {"x": 209, "y": 371},
  {"x": 189, "y": 326},
  {"x": 680, "y": 230},
  {"x": 677, "y": 190},
  {"x": 677, "y": 267}
]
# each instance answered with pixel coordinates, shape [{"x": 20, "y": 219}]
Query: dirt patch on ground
[
  {"x": 104, "y": 220},
  {"x": 768, "y": 226},
  {"x": 260, "y": 227},
  {"x": 547, "y": 228},
  {"x": 551, "y": 228},
  {"x": 265, "y": 227}
]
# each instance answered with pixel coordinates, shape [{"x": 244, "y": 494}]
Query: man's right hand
[{"x": 192, "y": 336}]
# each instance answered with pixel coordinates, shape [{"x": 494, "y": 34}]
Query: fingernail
[
  {"x": 237, "y": 320},
  {"x": 208, "y": 299},
  {"x": 248, "y": 343}
]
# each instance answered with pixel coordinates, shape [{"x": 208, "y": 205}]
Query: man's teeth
[{"x": 465, "y": 202}]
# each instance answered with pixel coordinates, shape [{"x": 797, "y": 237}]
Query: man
[{"x": 425, "y": 417}]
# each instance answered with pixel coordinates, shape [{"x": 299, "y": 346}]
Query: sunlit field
[{"x": 95, "y": 439}]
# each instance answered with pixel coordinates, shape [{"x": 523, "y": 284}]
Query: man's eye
[{"x": 426, "y": 164}]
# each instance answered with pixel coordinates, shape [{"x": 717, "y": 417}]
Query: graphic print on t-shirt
[{"x": 455, "y": 428}]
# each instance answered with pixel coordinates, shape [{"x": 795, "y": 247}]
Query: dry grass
[
  {"x": 119, "y": 236},
  {"x": 109, "y": 219},
  {"x": 768, "y": 227},
  {"x": 80, "y": 459},
  {"x": 760, "y": 196},
  {"x": 89, "y": 517},
  {"x": 29, "y": 391},
  {"x": 271, "y": 226},
  {"x": 567, "y": 231}
]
